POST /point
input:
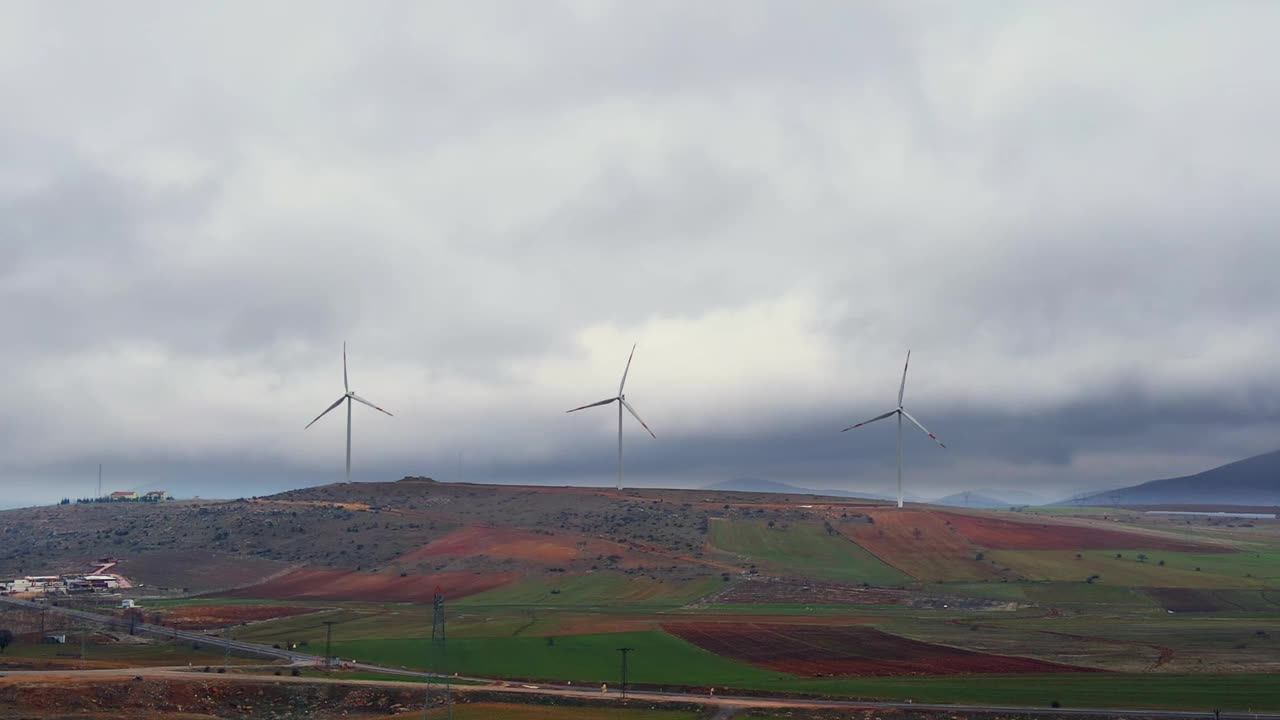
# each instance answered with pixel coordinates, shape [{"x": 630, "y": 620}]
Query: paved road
[{"x": 491, "y": 685}]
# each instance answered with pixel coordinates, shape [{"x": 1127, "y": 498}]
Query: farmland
[
  {"x": 758, "y": 592},
  {"x": 805, "y": 549},
  {"x": 845, "y": 651}
]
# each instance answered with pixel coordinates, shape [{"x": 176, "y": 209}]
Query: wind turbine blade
[
  {"x": 326, "y": 412},
  {"x": 594, "y": 404},
  {"x": 922, "y": 428},
  {"x": 624, "y": 372},
  {"x": 345, "y": 386},
  {"x": 636, "y": 415},
  {"x": 903, "y": 387},
  {"x": 868, "y": 422},
  {"x": 357, "y": 398}
]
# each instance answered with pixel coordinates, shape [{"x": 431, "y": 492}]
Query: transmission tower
[{"x": 437, "y": 649}]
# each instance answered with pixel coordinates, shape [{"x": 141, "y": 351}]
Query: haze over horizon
[{"x": 1066, "y": 212}]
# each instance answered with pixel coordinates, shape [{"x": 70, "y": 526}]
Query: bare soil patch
[
  {"x": 920, "y": 543},
  {"x": 202, "y": 617},
  {"x": 513, "y": 544}
]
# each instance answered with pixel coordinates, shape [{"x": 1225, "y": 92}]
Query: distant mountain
[
  {"x": 773, "y": 486},
  {"x": 973, "y": 499},
  {"x": 1252, "y": 481},
  {"x": 1015, "y": 497}
]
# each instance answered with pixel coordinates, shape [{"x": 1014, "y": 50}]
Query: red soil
[
  {"x": 201, "y": 617},
  {"x": 1002, "y": 534},
  {"x": 327, "y": 584},
  {"x": 919, "y": 543},
  {"x": 815, "y": 650},
  {"x": 503, "y": 544}
]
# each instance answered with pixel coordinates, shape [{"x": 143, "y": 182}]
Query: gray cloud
[{"x": 1065, "y": 210}]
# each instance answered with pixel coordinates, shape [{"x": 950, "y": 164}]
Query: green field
[
  {"x": 105, "y": 654},
  {"x": 1217, "y": 570},
  {"x": 803, "y": 549},
  {"x": 595, "y": 590},
  {"x": 505, "y": 711},
  {"x": 1200, "y": 692},
  {"x": 659, "y": 658},
  {"x": 662, "y": 659}
]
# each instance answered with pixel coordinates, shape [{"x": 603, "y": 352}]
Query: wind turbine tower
[
  {"x": 348, "y": 397},
  {"x": 901, "y": 412},
  {"x": 621, "y": 399}
]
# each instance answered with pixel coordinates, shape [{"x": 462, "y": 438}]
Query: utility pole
[
  {"x": 624, "y": 651},
  {"x": 99, "y": 481},
  {"x": 328, "y": 642}
]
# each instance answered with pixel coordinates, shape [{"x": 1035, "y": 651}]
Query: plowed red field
[
  {"x": 501, "y": 543},
  {"x": 1001, "y": 534},
  {"x": 919, "y": 543},
  {"x": 326, "y": 584},
  {"x": 847, "y": 651}
]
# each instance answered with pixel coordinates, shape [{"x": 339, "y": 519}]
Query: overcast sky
[{"x": 1068, "y": 211}]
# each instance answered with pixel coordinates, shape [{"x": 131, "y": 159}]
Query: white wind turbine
[
  {"x": 901, "y": 413},
  {"x": 347, "y": 398},
  {"x": 621, "y": 399}
]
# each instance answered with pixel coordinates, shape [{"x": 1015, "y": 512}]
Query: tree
[{"x": 6, "y": 638}]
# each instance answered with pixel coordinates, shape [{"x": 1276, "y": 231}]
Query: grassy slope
[
  {"x": 1217, "y": 570},
  {"x": 803, "y": 549}
]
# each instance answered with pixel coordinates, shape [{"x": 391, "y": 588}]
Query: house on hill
[
  {"x": 156, "y": 496},
  {"x": 124, "y": 495}
]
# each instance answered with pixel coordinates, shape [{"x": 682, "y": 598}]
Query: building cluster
[
  {"x": 124, "y": 496},
  {"x": 59, "y": 584},
  {"x": 97, "y": 581}
]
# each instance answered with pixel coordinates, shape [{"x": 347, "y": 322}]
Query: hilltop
[
  {"x": 413, "y": 528},
  {"x": 1253, "y": 481},
  {"x": 398, "y": 541}
]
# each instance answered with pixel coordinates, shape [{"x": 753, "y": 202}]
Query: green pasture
[
  {"x": 121, "y": 653},
  {"x": 595, "y": 590},
  {"x": 1144, "y": 690},
  {"x": 803, "y": 549},
  {"x": 504, "y": 711},
  {"x": 1216, "y": 570}
]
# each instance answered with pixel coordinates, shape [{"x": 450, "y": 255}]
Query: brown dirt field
[
  {"x": 919, "y": 543},
  {"x": 202, "y": 617},
  {"x": 1002, "y": 534},
  {"x": 327, "y": 584},
  {"x": 822, "y": 651},
  {"x": 503, "y": 543}
]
